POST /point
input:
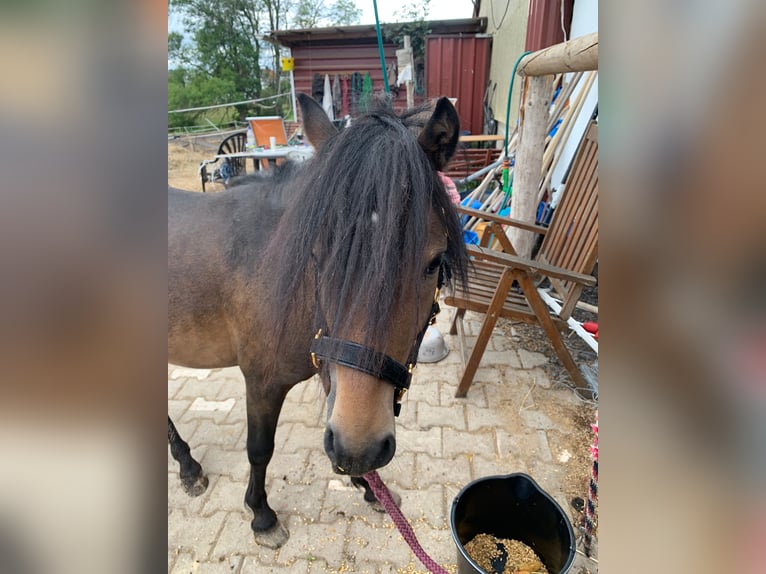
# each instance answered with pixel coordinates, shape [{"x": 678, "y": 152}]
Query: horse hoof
[
  {"x": 197, "y": 486},
  {"x": 273, "y": 538},
  {"x": 378, "y": 507}
]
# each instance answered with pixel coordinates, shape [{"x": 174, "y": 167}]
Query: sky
[{"x": 438, "y": 9}]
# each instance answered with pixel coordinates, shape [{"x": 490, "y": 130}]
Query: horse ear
[
  {"x": 316, "y": 125},
  {"x": 439, "y": 138}
]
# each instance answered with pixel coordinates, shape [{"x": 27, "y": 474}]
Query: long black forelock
[{"x": 361, "y": 223}]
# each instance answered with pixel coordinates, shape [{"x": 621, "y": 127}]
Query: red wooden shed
[{"x": 351, "y": 52}]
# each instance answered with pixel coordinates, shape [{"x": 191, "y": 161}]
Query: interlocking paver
[
  {"x": 300, "y": 499},
  {"x": 498, "y": 465},
  {"x": 236, "y": 538},
  {"x": 176, "y": 409},
  {"x": 368, "y": 542},
  {"x": 502, "y": 426},
  {"x": 400, "y": 472},
  {"x": 430, "y": 416},
  {"x": 224, "y": 494},
  {"x": 225, "y": 436},
  {"x": 482, "y": 443},
  {"x": 436, "y": 471},
  {"x": 425, "y": 440},
  {"x": 477, "y": 397},
  {"x": 425, "y": 503},
  {"x": 482, "y": 418},
  {"x": 220, "y": 461},
  {"x": 309, "y": 541},
  {"x": 303, "y": 437},
  {"x": 537, "y": 420},
  {"x": 530, "y": 359},
  {"x": 290, "y": 467},
  {"x": 193, "y": 532},
  {"x": 423, "y": 389}
]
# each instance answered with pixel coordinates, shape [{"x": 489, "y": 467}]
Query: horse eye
[{"x": 434, "y": 265}]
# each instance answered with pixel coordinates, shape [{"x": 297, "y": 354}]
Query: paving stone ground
[{"x": 513, "y": 420}]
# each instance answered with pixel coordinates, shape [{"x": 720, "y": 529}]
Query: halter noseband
[{"x": 372, "y": 362}]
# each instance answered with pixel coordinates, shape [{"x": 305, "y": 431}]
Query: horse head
[{"x": 386, "y": 238}]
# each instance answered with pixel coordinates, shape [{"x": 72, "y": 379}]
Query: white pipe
[{"x": 574, "y": 325}]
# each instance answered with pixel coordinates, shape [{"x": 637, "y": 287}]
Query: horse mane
[{"x": 358, "y": 227}]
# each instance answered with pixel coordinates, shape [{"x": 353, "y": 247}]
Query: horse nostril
[
  {"x": 329, "y": 443},
  {"x": 387, "y": 450}
]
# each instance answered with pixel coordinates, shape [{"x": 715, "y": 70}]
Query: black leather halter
[{"x": 372, "y": 362}]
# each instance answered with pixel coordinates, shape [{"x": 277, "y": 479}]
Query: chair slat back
[
  {"x": 572, "y": 238},
  {"x": 234, "y": 144}
]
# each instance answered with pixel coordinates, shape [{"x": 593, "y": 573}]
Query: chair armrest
[
  {"x": 205, "y": 163},
  {"x": 530, "y": 266},
  {"x": 487, "y": 216}
]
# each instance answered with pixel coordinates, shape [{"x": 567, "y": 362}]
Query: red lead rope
[{"x": 384, "y": 497}]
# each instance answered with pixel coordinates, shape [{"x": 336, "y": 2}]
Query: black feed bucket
[{"x": 514, "y": 507}]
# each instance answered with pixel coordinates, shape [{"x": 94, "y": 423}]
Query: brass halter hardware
[{"x": 314, "y": 359}]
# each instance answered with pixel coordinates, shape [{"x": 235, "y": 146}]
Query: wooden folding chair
[{"x": 566, "y": 257}]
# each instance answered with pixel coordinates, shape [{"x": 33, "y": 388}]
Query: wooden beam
[
  {"x": 410, "y": 84},
  {"x": 482, "y": 138},
  {"x": 578, "y": 55}
]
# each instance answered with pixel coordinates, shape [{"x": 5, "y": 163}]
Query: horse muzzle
[{"x": 357, "y": 462}]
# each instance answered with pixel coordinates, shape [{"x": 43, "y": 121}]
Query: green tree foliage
[
  {"x": 309, "y": 14},
  {"x": 412, "y": 22},
  {"x": 344, "y": 13},
  {"x": 223, "y": 56},
  {"x": 315, "y": 13},
  {"x": 224, "y": 48},
  {"x": 190, "y": 89}
]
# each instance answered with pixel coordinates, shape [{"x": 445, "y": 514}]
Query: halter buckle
[
  {"x": 314, "y": 360},
  {"x": 435, "y": 309}
]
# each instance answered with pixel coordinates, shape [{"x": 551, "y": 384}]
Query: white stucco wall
[
  {"x": 584, "y": 21},
  {"x": 507, "y": 24}
]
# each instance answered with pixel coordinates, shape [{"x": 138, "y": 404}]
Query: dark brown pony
[{"x": 354, "y": 242}]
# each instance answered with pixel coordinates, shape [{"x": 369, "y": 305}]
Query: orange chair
[{"x": 266, "y": 127}]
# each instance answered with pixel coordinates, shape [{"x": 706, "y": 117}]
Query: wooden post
[
  {"x": 405, "y": 58},
  {"x": 577, "y": 55},
  {"x": 529, "y": 160},
  {"x": 410, "y": 84}
]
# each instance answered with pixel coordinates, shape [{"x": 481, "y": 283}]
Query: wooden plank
[
  {"x": 488, "y": 216},
  {"x": 530, "y": 266},
  {"x": 482, "y": 138}
]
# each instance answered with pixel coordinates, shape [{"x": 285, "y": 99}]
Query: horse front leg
[
  {"x": 192, "y": 478},
  {"x": 263, "y": 406}
]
